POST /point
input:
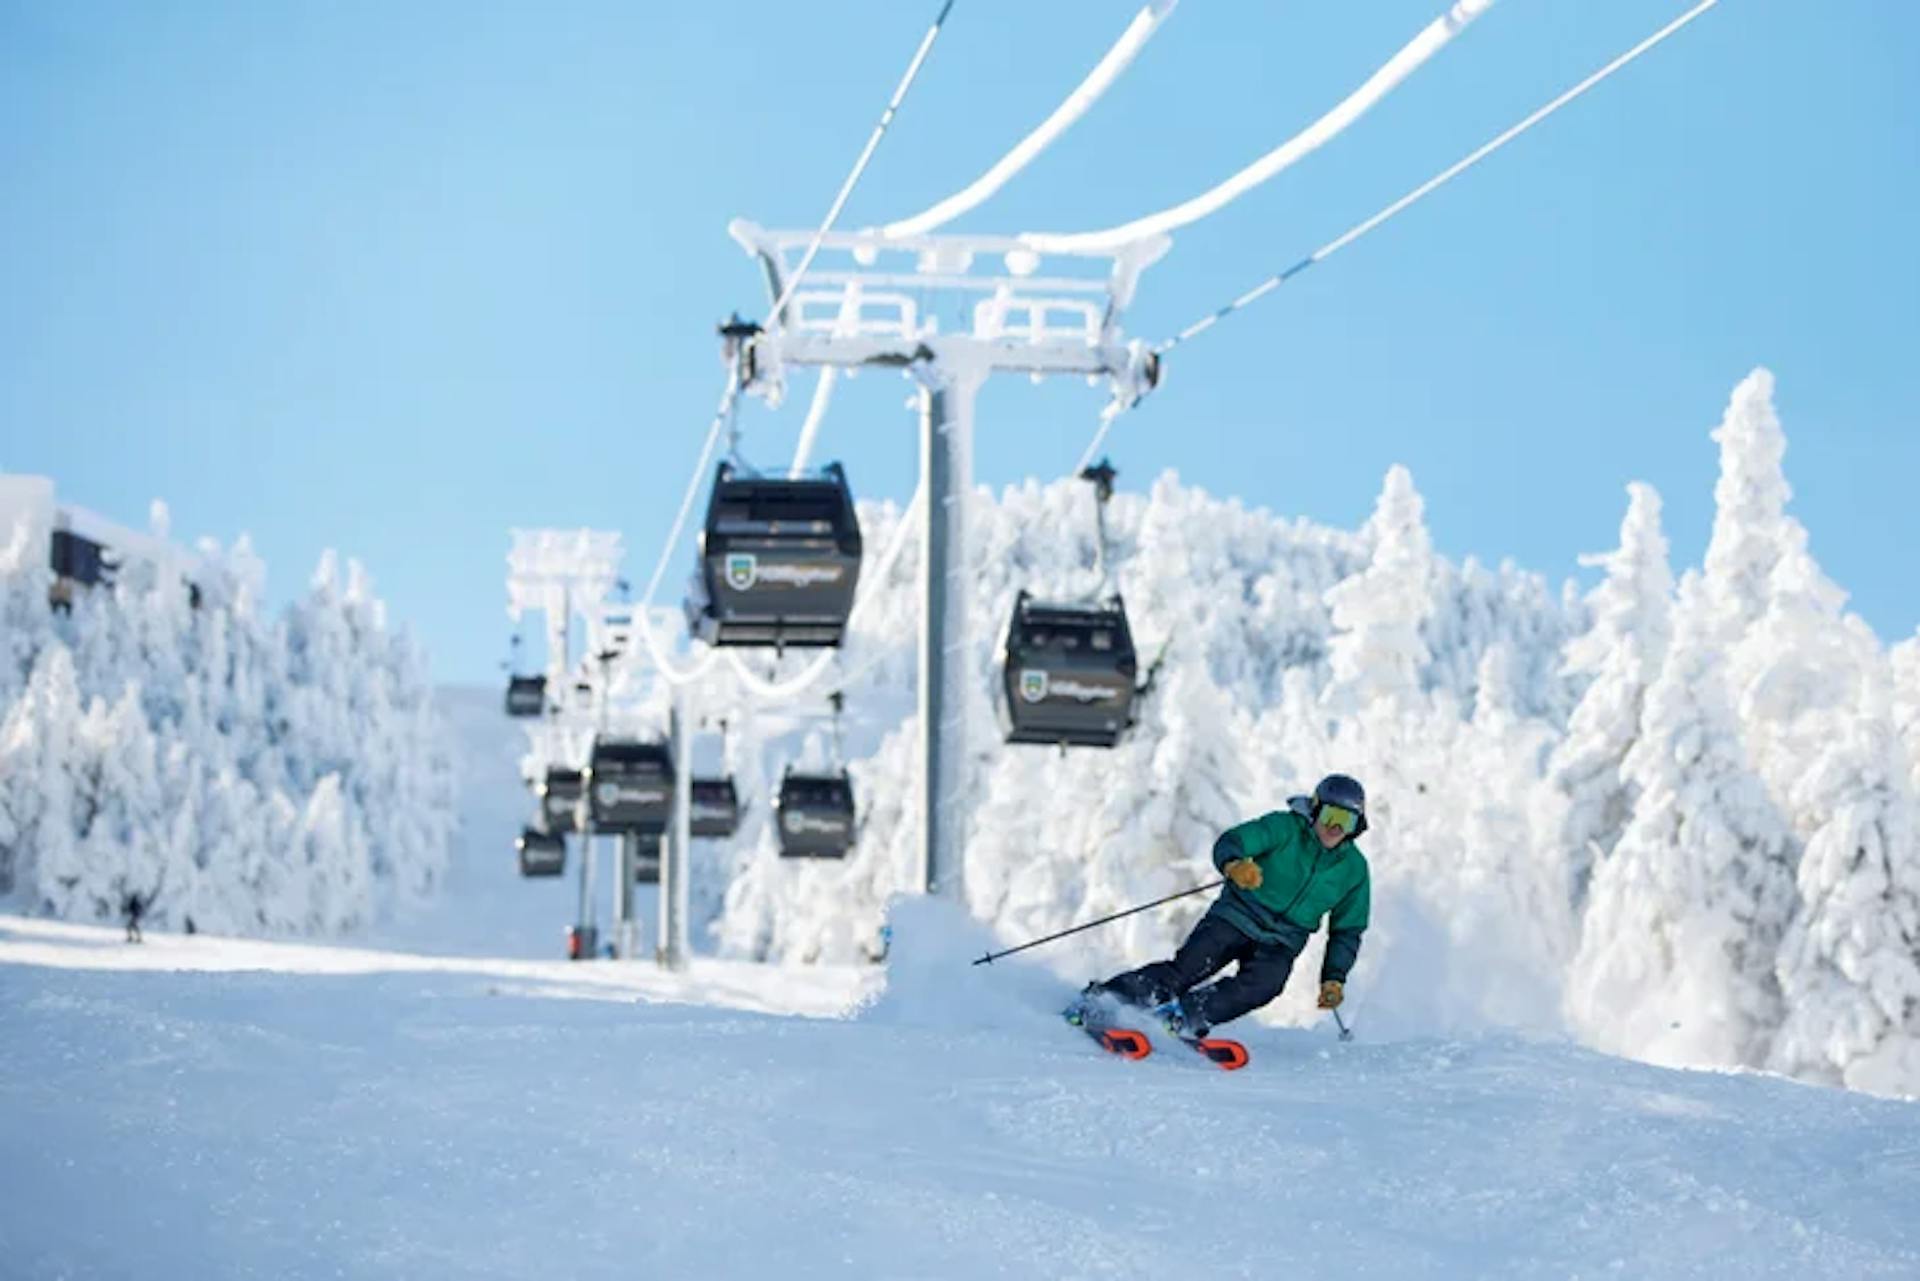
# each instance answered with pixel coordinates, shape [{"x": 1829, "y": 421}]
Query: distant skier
[
  {"x": 1286, "y": 871},
  {"x": 133, "y": 907}
]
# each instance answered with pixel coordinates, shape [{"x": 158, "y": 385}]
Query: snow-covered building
[{"x": 85, "y": 549}]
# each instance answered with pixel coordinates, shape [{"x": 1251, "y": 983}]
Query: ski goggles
[{"x": 1339, "y": 818}]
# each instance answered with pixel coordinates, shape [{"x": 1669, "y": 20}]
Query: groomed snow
[{"x": 287, "y": 1111}]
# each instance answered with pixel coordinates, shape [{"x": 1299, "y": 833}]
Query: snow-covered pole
[
  {"x": 676, "y": 856},
  {"x": 949, "y": 384},
  {"x": 1198, "y": 889}
]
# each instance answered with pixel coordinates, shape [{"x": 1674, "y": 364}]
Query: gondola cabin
[
  {"x": 779, "y": 560},
  {"x": 76, "y": 561},
  {"x": 79, "y": 559},
  {"x": 646, "y": 858},
  {"x": 630, "y": 785},
  {"x": 541, "y": 853},
  {"x": 1067, "y": 674},
  {"x": 526, "y": 695},
  {"x": 715, "y": 807},
  {"x": 560, "y": 794},
  {"x": 815, "y": 815}
]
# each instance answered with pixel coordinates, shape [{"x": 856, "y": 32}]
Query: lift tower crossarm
[{"x": 860, "y": 303}]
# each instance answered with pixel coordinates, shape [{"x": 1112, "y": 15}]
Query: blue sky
[{"x": 394, "y": 278}]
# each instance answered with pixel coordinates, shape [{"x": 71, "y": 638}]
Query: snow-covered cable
[
  {"x": 661, "y": 661},
  {"x": 721, "y": 417},
  {"x": 1071, "y": 108},
  {"x": 860, "y": 165},
  {"x": 800, "y": 682},
  {"x": 1478, "y": 154},
  {"x": 1107, "y": 418},
  {"x": 1417, "y": 51},
  {"x": 810, "y": 429}
]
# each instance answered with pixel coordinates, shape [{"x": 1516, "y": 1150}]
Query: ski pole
[
  {"x": 1346, "y": 1033},
  {"x": 994, "y": 956}
]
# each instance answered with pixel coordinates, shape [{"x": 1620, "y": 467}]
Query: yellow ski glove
[
  {"x": 1245, "y": 873},
  {"x": 1332, "y": 992}
]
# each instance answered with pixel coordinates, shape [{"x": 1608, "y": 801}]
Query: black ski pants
[{"x": 1214, "y": 943}]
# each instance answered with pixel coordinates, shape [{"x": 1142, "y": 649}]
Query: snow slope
[
  {"x": 484, "y": 907},
  {"x": 278, "y": 1110}
]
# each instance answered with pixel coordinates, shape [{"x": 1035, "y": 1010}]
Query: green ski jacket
[{"x": 1301, "y": 882}]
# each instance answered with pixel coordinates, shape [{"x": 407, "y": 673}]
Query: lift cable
[
  {"x": 1071, "y": 108},
  {"x": 1480, "y": 153},
  {"x": 860, "y": 165},
  {"x": 722, "y": 421},
  {"x": 800, "y": 682},
  {"x": 810, "y": 429},
  {"x": 1433, "y": 38}
]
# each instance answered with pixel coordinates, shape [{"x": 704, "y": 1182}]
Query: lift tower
[{"x": 859, "y": 305}]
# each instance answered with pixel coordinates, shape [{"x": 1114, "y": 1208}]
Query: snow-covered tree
[
  {"x": 1850, "y": 964},
  {"x": 40, "y": 761},
  {"x": 1676, "y": 958},
  {"x": 1377, "y": 653},
  {"x": 1619, "y": 655},
  {"x": 1905, "y": 698},
  {"x": 1750, "y": 500},
  {"x": 1795, "y": 670}
]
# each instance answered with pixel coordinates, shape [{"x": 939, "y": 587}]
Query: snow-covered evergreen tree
[
  {"x": 1850, "y": 965},
  {"x": 1750, "y": 500},
  {"x": 1377, "y": 654},
  {"x": 1619, "y": 655},
  {"x": 1676, "y": 958},
  {"x": 40, "y": 763},
  {"x": 1904, "y": 698}
]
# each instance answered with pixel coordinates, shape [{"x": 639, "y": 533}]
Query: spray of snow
[{"x": 931, "y": 978}]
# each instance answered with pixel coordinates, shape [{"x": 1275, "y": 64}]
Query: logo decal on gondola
[
  {"x": 788, "y": 574},
  {"x": 799, "y": 823},
  {"x": 742, "y": 570},
  {"x": 1033, "y": 685},
  {"x": 1082, "y": 692},
  {"x": 611, "y": 793}
]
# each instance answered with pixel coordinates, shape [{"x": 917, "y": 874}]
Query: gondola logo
[
  {"x": 1033, "y": 685},
  {"x": 611, "y": 794},
  {"x": 742, "y": 570},
  {"x": 1081, "y": 691},
  {"x": 800, "y": 823}
]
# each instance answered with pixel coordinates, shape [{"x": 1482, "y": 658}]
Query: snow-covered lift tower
[
  {"x": 858, "y": 305},
  {"x": 560, "y": 572}
]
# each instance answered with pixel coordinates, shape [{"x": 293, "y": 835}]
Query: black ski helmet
[{"x": 1342, "y": 790}]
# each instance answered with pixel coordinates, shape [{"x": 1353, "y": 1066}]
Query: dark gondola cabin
[
  {"x": 646, "y": 858},
  {"x": 1067, "y": 674},
  {"x": 630, "y": 785},
  {"x": 779, "y": 560},
  {"x": 560, "y": 794},
  {"x": 79, "y": 559},
  {"x": 815, "y": 815},
  {"x": 76, "y": 561},
  {"x": 541, "y": 853},
  {"x": 526, "y": 695},
  {"x": 715, "y": 807}
]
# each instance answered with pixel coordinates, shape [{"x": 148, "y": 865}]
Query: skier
[
  {"x": 134, "y": 907},
  {"x": 1285, "y": 871}
]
